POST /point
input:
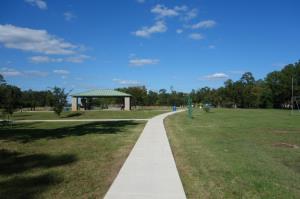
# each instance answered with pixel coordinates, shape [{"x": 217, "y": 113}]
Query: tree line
[
  {"x": 13, "y": 98},
  {"x": 274, "y": 91}
]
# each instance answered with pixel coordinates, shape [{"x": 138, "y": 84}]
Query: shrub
[
  {"x": 206, "y": 108},
  {"x": 60, "y": 99}
]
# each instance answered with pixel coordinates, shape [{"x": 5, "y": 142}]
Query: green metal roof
[{"x": 101, "y": 93}]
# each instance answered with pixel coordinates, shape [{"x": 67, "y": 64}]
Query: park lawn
[
  {"x": 237, "y": 153},
  {"x": 63, "y": 160},
  {"x": 138, "y": 114}
]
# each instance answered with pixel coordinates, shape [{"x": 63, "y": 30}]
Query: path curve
[{"x": 150, "y": 170}]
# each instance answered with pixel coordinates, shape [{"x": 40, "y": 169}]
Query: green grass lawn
[
  {"x": 63, "y": 160},
  {"x": 138, "y": 114},
  {"x": 237, "y": 153}
]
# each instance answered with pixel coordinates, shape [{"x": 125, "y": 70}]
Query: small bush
[{"x": 206, "y": 108}]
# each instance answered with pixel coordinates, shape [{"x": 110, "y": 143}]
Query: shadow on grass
[
  {"x": 15, "y": 162},
  {"x": 28, "y": 132},
  {"x": 73, "y": 115},
  {"x": 29, "y": 186}
]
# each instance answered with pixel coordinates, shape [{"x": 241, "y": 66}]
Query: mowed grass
[
  {"x": 63, "y": 160},
  {"x": 138, "y": 114},
  {"x": 237, "y": 153}
]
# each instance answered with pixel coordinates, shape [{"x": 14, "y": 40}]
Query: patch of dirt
[{"x": 286, "y": 145}]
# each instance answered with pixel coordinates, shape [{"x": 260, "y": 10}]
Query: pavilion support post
[
  {"x": 127, "y": 104},
  {"x": 74, "y": 104}
]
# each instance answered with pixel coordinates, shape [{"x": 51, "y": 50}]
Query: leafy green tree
[
  {"x": 266, "y": 100},
  {"x": 247, "y": 96},
  {"x": 29, "y": 100},
  {"x": 33, "y": 99},
  {"x": 49, "y": 98},
  {"x": 60, "y": 99},
  {"x": 230, "y": 94},
  {"x": 163, "y": 97},
  {"x": 204, "y": 95},
  {"x": 2, "y": 86},
  {"x": 152, "y": 98},
  {"x": 279, "y": 83},
  {"x": 10, "y": 99},
  {"x": 139, "y": 94},
  {"x": 273, "y": 81}
]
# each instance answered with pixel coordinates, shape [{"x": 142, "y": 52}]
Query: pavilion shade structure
[{"x": 101, "y": 93}]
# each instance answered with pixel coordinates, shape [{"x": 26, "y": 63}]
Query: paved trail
[{"x": 150, "y": 170}]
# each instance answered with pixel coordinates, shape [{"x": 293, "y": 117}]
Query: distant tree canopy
[
  {"x": 33, "y": 99},
  {"x": 10, "y": 99},
  {"x": 274, "y": 91},
  {"x": 142, "y": 97}
]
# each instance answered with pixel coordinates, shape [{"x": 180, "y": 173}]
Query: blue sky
[{"x": 188, "y": 44}]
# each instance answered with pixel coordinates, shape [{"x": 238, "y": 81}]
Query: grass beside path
[
  {"x": 139, "y": 114},
  {"x": 63, "y": 160},
  {"x": 237, "y": 153}
]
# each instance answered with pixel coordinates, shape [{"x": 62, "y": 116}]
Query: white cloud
[
  {"x": 196, "y": 36},
  {"x": 39, "y": 59},
  {"x": 216, "y": 76},
  {"x": 36, "y": 73},
  {"x": 69, "y": 16},
  {"x": 179, "y": 31},
  {"x": 10, "y": 72},
  {"x": 44, "y": 59},
  {"x": 158, "y": 27},
  {"x": 141, "y": 1},
  {"x": 162, "y": 11},
  {"x": 39, "y": 3},
  {"x": 211, "y": 46},
  {"x": 204, "y": 24},
  {"x": 77, "y": 58},
  {"x": 181, "y": 8},
  {"x": 186, "y": 14},
  {"x": 61, "y": 72},
  {"x": 142, "y": 62},
  {"x": 126, "y": 82},
  {"x": 191, "y": 14},
  {"x": 33, "y": 40}
]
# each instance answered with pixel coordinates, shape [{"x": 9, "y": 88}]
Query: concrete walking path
[{"x": 150, "y": 170}]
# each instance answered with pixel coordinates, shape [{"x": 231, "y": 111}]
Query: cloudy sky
[{"x": 188, "y": 44}]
